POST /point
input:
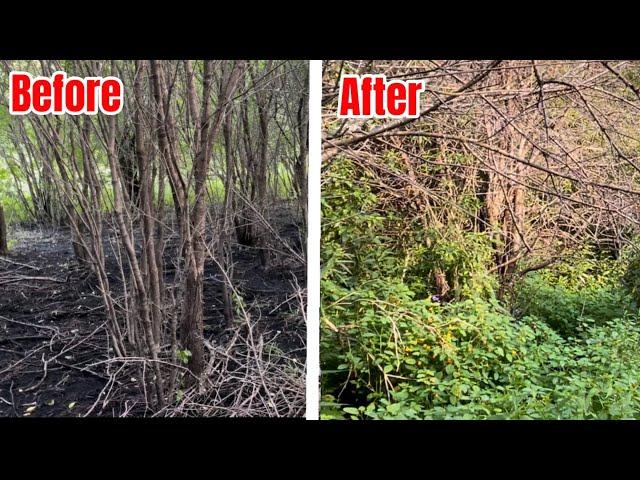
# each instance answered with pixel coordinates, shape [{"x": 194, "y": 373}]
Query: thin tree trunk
[
  {"x": 4, "y": 249},
  {"x": 192, "y": 315},
  {"x": 227, "y": 220}
]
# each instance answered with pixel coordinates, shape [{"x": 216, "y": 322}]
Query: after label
[{"x": 373, "y": 96}]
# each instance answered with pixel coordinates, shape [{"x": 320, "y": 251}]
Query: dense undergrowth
[{"x": 565, "y": 343}]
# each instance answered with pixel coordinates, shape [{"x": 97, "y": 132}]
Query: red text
[
  {"x": 372, "y": 96},
  {"x": 58, "y": 94}
]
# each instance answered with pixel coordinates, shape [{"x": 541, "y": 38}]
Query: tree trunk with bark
[{"x": 4, "y": 249}]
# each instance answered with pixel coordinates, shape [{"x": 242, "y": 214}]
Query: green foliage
[
  {"x": 359, "y": 244},
  {"x": 283, "y": 182},
  {"x": 215, "y": 187},
  {"x": 389, "y": 351},
  {"x": 184, "y": 356},
  {"x": 403, "y": 358},
  {"x": 631, "y": 276},
  {"x": 463, "y": 257},
  {"x": 582, "y": 290},
  {"x": 13, "y": 206}
]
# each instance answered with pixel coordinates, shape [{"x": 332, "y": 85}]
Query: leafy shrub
[
  {"x": 472, "y": 360},
  {"x": 583, "y": 290},
  {"x": 463, "y": 258},
  {"x": 631, "y": 275},
  {"x": 389, "y": 351}
]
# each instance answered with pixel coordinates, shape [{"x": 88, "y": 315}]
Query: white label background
[{"x": 313, "y": 242}]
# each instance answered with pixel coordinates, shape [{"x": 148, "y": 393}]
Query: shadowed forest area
[
  {"x": 481, "y": 261},
  {"x": 154, "y": 262}
]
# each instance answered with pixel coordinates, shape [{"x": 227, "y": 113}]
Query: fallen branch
[
  {"x": 13, "y": 262},
  {"x": 21, "y": 278}
]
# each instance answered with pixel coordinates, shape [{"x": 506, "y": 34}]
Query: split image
[{"x": 462, "y": 237}]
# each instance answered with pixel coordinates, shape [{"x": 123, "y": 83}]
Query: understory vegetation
[{"x": 461, "y": 283}]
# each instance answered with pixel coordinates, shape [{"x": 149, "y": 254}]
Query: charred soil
[{"x": 55, "y": 358}]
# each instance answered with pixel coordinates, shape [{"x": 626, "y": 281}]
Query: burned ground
[{"x": 55, "y": 358}]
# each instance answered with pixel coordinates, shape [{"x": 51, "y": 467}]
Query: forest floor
[{"x": 53, "y": 343}]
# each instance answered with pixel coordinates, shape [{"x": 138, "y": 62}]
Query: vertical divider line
[{"x": 313, "y": 242}]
